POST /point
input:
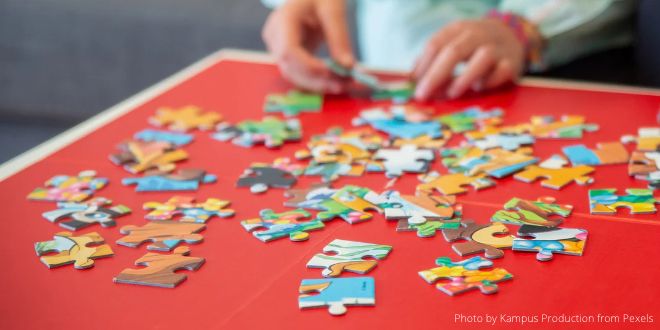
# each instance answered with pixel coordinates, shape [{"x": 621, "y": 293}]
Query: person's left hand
[{"x": 491, "y": 50}]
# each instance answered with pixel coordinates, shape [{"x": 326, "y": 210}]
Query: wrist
[{"x": 527, "y": 34}]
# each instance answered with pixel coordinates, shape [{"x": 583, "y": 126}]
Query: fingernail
[
  {"x": 346, "y": 60},
  {"x": 478, "y": 86},
  {"x": 452, "y": 92},
  {"x": 420, "y": 94}
]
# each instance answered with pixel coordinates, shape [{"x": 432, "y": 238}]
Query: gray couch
[{"x": 63, "y": 61}]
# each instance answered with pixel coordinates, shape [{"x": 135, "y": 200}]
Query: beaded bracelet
[{"x": 522, "y": 29}]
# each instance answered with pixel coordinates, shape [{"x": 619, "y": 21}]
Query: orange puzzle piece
[{"x": 185, "y": 119}]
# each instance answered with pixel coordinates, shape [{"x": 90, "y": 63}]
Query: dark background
[{"x": 64, "y": 61}]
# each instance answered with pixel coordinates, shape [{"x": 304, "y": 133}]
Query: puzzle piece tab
[
  {"x": 638, "y": 201},
  {"x": 188, "y": 211},
  {"x": 73, "y": 250},
  {"x": 183, "y": 180},
  {"x": 163, "y": 235},
  {"x": 293, "y": 103},
  {"x": 82, "y": 215},
  {"x": 350, "y": 203},
  {"x": 279, "y": 225},
  {"x": 337, "y": 293},
  {"x": 185, "y": 118},
  {"x": 536, "y": 213},
  {"x": 349, "y": 257},
  {"x": 479, "y": 238},
  {"x": 64, "y": 188},
  {"x": 452, "y": 184},
  {"x": 160, "y": 269},
  {"x": 607, "y": 153},
  {"x": 465, "y": 275},
  {"x": 547, "y": 241}
]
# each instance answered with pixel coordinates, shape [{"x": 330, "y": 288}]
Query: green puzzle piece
[{"x": 293, "y": 103}]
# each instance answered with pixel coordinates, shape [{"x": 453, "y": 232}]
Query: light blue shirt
[{"x": 392, "y": 33}]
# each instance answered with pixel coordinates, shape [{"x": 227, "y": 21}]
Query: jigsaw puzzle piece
[
  {"x": 64, "y": 188},
  {"x": 349, "y": 257},
  {"x": 569, "y": 126},
  {"x": 152, "y": 135},
  {"x": 309, "y": 198},
  {"x": 452, "y": 184},
  {"x": 423, "y": 141},
  {"x": 546, "y": 241},
  {"x": 479, "y": 238},
  {"x": 470, "y": 118},
  {"x": 406, "y": 159},
  {"x": 185, "y": 118},
  {"x": 188, "y": 211},
  {"x": 161, "y": 269},
  {"x": 638, "y": 201},
  {"x": 293, "y": 103},
  {"x": 465, "y": 275},
  {"x": 648, "y": 139},
  {"x": 279, "y": 225},
  {"x": 428, "y": 228},
  {"x": 261, "y": 178},
  {"x": 337, "y": 293},
  {"x": 536, "y": 213},
  {"x": 183, "y": 180},
  {"x": 350, "y": 203},
  {"x": 163, "y": 235},
  {"x": 270, "y": 131},
  {"x": 556, "y": 176},
  {"x": 607, "y": 153},
  {"x": 494, "y": 162},
  {"x": 73, "y": 250},
  {"x": 138, "y": 156},
  {"x": 417, "y": 209},
  {"x": 82, "y": 215},
  {"x": 399, "y": 92},
  {"x": 332, "y": 171},
  {"x": 509, "y": 142}
]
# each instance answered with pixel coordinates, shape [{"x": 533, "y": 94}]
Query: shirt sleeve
[
  {"x": 574, "y": 29},
  {"x": 272, "y": 4}
]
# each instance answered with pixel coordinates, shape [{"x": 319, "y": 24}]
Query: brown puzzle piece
[
  {"x": 160, "y": 269},
  {"x": 164, "y": 235},
  {"x": 479, "y": 238}
]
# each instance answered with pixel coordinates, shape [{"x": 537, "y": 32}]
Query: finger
[
  {"x": 431, "y": 50},
  {"x": 332, "y": 15},
  {"x": 479, "y": 65},
  {"x": 442, "y": 68},
  {"x": 309, "y": 72},
  {"x": 503, "y": 73}
]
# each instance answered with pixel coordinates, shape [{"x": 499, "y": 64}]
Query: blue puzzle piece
[
  {"x": 581, "y": 155},
  {"x": 401, "y": 129},
  {"x": 149, "y": 135},
  {"x": 162, "y": 183},
  {"x": 337, "y": 293}
]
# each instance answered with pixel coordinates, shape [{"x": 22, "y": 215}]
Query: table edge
[{"x": 71, "y": 135}]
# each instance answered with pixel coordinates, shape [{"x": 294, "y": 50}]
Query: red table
[{"x": 248, "y": 284}]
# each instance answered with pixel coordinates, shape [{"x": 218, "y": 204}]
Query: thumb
[{"x": 332, "y": 16}]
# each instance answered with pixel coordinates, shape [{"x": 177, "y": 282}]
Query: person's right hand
[{"x": 294, "y": 31}]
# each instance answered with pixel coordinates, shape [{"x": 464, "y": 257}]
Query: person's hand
[
  {"x": 294, "y": 31},
  {"x": 491, "y": 50}
]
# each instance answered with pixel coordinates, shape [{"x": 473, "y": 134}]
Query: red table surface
[{"x": 247, "y": 283}]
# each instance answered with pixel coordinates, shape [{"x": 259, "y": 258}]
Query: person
[{"x": 493, "y": 41}]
